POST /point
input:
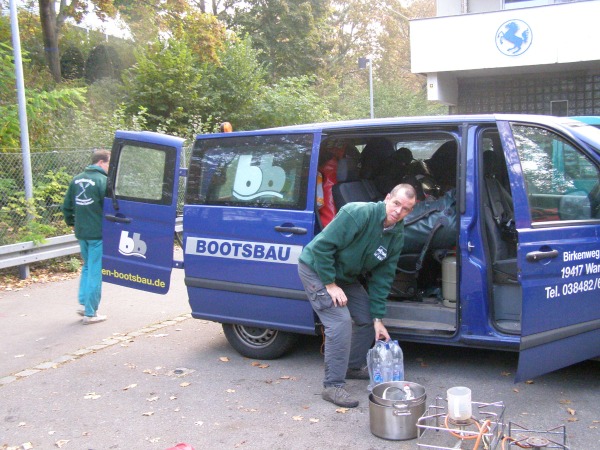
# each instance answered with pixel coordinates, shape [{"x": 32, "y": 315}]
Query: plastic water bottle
[
  {"x": 397, "y": 362},
  {"x": 387, "y": 363},
  {"x": 377, "y": 371}
]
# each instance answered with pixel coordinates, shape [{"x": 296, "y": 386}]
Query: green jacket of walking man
[{"x": 82, "y": 209}]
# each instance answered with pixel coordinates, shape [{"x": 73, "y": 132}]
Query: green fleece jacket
[
  {"x": 82, "y": 206},
  {"x": 355, "y": 244}
]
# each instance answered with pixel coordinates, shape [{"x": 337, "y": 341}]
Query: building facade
[{"x": 513, "y": 56}]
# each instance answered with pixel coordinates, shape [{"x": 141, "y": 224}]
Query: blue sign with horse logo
[{"x": 513, "y": 37}]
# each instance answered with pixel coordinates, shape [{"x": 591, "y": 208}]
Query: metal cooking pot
[
  {"x": 397, "y": 419},
  {"x": 391, "y": 392}
]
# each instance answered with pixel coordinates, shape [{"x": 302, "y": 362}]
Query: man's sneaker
[
  {"x": 81, "y": 311},
  {"x": 339, "y": 396},
  {"x": 96, "y": 319},
  {"x": 357, "y": 374}
]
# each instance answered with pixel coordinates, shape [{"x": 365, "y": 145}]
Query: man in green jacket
[
  {"x": 363, "y": 240},
  {"x": 82, "y": 208}
]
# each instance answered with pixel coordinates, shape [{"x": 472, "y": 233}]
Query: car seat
[
  {"x": 350, "y": 188},
  {"x": 499, "y": 221},
  {"x": 374, "y": 156}
]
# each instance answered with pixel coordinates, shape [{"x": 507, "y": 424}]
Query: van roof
[{"x": 419, "y": 120}]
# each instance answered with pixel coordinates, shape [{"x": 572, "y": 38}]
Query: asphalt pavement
[{"x": 151, "y": 377}]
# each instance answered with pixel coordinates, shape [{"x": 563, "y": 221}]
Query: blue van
[{"x": 502, "y": 251}]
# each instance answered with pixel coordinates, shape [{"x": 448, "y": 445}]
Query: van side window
[
  {"x": 144, "y": 174},
  {"x": 561, "y": 182},
  {"x": 257, "y": 171}
]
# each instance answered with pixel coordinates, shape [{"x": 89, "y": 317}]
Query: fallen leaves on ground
[
  {"x": 185, "y": 384},
  {"x": 342, "y": 410},
  {"x": 224, "y": 359},
  {"x": 230, "y": 391},
  {"x": 529, "y": 382},
  {"x": 571, "y": 411},
  {"x": 259, "y": 364},
  {"x": 297, "y": 417},
  {"x": 505, "y": 374},
  {"x": 149, "y": 413},
  {"x": 60, "y": 443},
  {"x": 131, "y": 386},
  {"x": 313, "y": 420}
]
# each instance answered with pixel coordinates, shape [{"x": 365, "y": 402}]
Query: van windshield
[{"x": 256, "y": 171}]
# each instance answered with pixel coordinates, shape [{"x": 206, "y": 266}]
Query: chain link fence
[
  {"x": 41, "y": 217},
  {"x": 52, "y": 171}
]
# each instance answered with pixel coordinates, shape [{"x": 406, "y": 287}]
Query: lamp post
[{"x": 362, "y": 64}]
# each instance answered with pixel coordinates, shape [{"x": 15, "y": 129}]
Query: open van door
[
  {"x": 140, "y": 209},
  {"x": 555, "y": 186}
]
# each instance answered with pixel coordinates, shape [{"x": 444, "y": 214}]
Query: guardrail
[{"x": 25, "y": 253}]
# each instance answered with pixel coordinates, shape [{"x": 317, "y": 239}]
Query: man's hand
[
  {"x": 381, "y": 332},
  {"x": 337, "y": 295}
]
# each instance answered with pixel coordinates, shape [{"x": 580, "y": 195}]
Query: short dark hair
[{"x": 100, "y": 155}]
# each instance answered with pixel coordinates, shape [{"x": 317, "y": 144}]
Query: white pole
[
  {"x": 27, "y": 178},
  {"x": 16, "y": 40}
]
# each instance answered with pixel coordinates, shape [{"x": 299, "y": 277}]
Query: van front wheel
[{"x": 259, "y": 343}]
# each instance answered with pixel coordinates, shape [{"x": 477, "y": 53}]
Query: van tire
[{"x": 259, "y": 343}]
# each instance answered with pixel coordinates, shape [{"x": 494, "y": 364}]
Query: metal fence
[{"x": 51, "y": 172}]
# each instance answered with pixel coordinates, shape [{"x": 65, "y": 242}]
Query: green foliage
[
  {"x": 103, "y": 62},
  {"x": 290, "y": 35},
  {"x": 72, "y": 64},
  {"x": 167, "y": 83},
  {"x": 42, "y": 107},
  {"x": 22, "y": 219},
  {"x": 236, "y": 84},
  {"x": 291, "y": 101}
]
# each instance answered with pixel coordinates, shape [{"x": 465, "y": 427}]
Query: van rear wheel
[{"x": 259, "y": 343}]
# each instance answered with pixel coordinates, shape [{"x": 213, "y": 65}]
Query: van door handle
[
  {"x": 112, "y": 218},
  {"x": 293, "y": 230},
  {"x": 539, "y": 255}
]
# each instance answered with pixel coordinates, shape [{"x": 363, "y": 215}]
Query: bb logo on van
[
  {"x": 132, "y": 246},
  {"x": 264, "y": 180},
  {"x": 250, "y": 251}
]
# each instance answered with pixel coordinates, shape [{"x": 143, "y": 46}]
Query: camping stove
[
  {"x": 483, "y": 431},
  {"x": 522, "y": 437}
]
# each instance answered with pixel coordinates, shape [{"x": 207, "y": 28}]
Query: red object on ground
[{"x": 182, "y": 446}]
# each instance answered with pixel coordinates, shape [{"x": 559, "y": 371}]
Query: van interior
[{"x": 424, "y": 295}]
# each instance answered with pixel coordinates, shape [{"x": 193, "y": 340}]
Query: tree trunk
[{"x": 50, "y": 34}]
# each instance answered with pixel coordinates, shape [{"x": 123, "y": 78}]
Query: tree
[
  {"x": 103, "y": 62},
  {"x": 289, "y": 34},
  {"x": 52, "y": 22},
  {"x": 43, "y": 107},
  {"x": 235, "y": 84},
  {"x": 291, "y": 101},
  {"x": 167, "y": 83}
]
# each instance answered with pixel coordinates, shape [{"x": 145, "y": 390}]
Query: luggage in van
[{"x": 430, "y": 226}]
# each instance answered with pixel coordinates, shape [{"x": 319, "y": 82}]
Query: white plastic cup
[{"x": 459, "y": 403}]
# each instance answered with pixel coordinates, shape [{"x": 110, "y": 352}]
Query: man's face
[{"x": 397, "y": 207}]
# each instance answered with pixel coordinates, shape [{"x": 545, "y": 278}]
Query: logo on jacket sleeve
[
  {"x": 132, "y": 246},
  {"x": 380, "y": 253}
]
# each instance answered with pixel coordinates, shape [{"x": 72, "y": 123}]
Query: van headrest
[
  {"x": 490, "y": 163},
  {"x": 374, "y": 155},
  {"x": 347, "y": 170}
]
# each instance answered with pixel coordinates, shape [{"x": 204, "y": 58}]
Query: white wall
[{"x": 560, "y": 33}]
